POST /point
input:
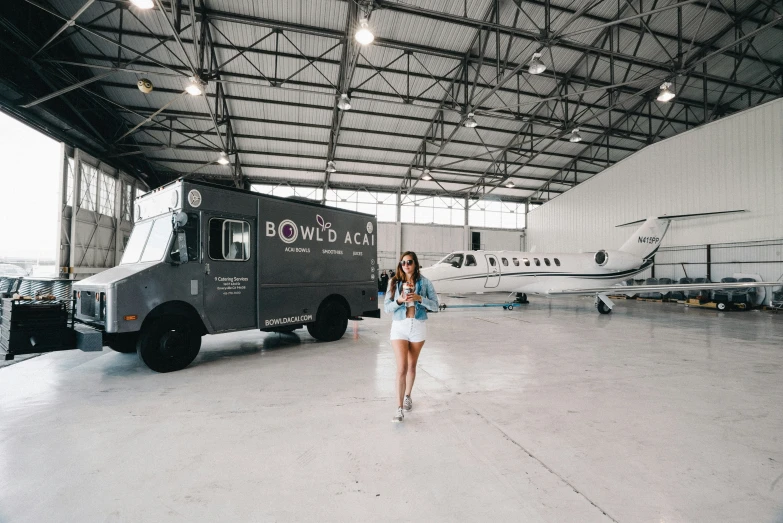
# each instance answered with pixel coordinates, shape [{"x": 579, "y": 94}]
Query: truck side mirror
[{"x": 179, "y": 219}]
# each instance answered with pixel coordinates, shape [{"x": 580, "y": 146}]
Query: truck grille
[{"x": 87, "y": 305}]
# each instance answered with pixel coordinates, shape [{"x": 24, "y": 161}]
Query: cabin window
[
  {"x": 505, "y": 262},
  {"x": 526, "y": 262},
  {"x": 516, "y": 262},
  {"x": 546, "y": 261},
  {"x": 492, "y": 261},
  {"x": 470, "y": 261},
  {"x": 229, "y": 240},
  {"x": 538, "y": 262},
  {"x": 557, "y": 262}
]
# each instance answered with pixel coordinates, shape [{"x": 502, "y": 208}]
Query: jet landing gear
[
  {"x": 603, "y": 304},
  {"x": 521, "y": 298}
]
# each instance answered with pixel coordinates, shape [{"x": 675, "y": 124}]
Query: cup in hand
[{"x": 407, "y": 288}]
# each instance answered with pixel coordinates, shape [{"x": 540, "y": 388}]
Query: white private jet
[{"x": 556, "y": 274}]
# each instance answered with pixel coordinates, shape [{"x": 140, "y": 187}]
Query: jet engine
[{"x": 616, "y": 260}]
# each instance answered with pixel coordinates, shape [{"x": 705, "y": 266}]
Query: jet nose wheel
[{"x": 602, "y": 307}]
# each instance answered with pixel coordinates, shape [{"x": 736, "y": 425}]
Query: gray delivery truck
[{"x": 206, "y": 259}]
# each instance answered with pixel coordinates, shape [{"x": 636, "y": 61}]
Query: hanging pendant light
[
  {"x": 575, "y": 136},
  {"x": 344, "y": 103},
  {"x": 364, "y": 36},
  {"x": 426, "y": 175},
  {"x": 223, "y": 158},
  {"x": 195, "y": 87},
  {"x": 510, "y": 184},
  {"x": 331, "y": 167},
  {"x": 665, "y": 94},
  {"x": 536, "y": 66},
  {"x": 143, "y": 4},
  {"x": 471, "y": 122}
]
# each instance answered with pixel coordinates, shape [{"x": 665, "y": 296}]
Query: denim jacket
[{"x": 424, "y": 288}]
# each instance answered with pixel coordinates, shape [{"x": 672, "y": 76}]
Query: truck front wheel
[
  {"x": 331, "y": 321},
  {"x": 124, "y": 343},
  {"x": 169, "y": 343}
]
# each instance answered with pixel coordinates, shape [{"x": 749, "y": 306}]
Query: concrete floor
[{"x": 551, "y": 412}]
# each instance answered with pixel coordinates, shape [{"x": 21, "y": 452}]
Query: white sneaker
[
  {"x": 399, "y": 416},
  {"x": 407, "y": 403}
]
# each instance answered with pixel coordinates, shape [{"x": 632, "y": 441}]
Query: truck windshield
[
  {"x": 158, "y": 242},
  {"x": 148, "y": 241},
  {"x": 136, "y": 242}
]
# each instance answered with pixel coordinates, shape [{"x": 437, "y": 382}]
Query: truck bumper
[{"x": 375, "y": 313}]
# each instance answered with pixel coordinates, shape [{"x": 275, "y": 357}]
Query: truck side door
[{"x": 230, "y": 272}]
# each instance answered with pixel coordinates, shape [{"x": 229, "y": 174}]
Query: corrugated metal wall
[{"x": 734, "y": 163}]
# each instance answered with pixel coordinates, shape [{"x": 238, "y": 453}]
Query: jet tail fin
[{"x": 647, "y": 239}]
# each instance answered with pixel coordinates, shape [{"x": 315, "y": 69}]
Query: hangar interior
[{"x": 532, "y": 126}]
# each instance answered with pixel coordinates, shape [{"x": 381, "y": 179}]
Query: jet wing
[{"x": 635, "y": 289}]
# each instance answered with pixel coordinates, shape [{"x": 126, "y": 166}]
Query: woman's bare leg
[
  {"x": 413, "y": 358},
  {"x": 401, "y": 355}
]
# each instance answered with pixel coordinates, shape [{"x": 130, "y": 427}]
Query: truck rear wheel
[
  {"x": 169, "y": 343},
  {"x": 124, "y": 343},
  {"x": 331, "y": 321}
]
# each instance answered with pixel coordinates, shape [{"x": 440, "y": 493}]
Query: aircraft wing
[{"x": 636, "y": 289}]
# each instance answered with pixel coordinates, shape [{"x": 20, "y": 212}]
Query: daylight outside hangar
[{"x": 465, "y": 131}]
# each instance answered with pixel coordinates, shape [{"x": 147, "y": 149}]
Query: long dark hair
[{"x": 399, "y": 275}]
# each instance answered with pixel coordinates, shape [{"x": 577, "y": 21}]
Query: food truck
[{"x": 207, "y": 259}]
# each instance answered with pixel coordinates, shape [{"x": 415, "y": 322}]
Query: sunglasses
[{"x": 406, "y": 262}]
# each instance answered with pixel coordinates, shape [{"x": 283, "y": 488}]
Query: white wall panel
[
  {"x": 387, "y": 254},
  {"x": 500, "y": 240},
  {"x": 431, "y": 242},
  {"x": 734, "y": 163}
]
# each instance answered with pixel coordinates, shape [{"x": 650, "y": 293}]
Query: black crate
[
  {"x": 26, "y": 341},
  {"x": 29, "y": 327}
]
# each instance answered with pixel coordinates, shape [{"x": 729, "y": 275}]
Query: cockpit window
[
  {"x": 516, "y": 262},
  {"x": 538, "y": 262},
  {"x": 505, "y": 262},
  {"x": 470, "y": 261},
  {"x": 526, "y": 261},
  {"x": 455, "y": 260}
]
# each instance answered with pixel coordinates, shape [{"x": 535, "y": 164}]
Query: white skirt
[{"x": 409, "y": 329}]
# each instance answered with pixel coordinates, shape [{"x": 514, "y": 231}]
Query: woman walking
[{"x": 408, "y": 298}]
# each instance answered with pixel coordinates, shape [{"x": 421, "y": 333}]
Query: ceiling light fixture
[
  {"x": 575, "y": 136},
  {"x": 195, "y": 87},
  {"x": 536, "y": 66},
  {"x": 223, "y": 158},
  {"x": 344, "y": 103},
  {"x": 510, "y": 184},
  {"x": 331, "y": 167},
  {"x": 364, "y": 36},
  {"x": 143, "y": 4},
  {"x": 426, "y": 175},
  {"x": 470, "y": 123},
  {"x": 665, "y": 94}
]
